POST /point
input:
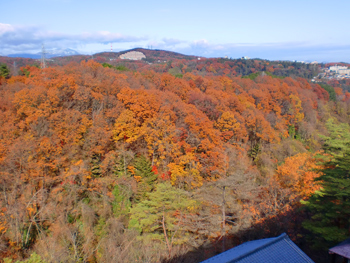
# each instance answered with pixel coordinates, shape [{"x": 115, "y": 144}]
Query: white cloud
[
  {"x": 172, "y": 41},
  {"x": 201, "y": 43},
  {"x": 272, "y": 51},
  {"x": 23, "y": 39},
  {"x": 27, "y": 38},
  {"x": 5, "y": 28}
]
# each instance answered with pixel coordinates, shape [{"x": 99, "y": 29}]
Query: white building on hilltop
[{"x": 133, "y": 55}]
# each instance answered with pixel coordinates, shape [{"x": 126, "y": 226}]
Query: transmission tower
[
  {"x": 14, "y": 68},
  {"x": 43, "y": 57}
]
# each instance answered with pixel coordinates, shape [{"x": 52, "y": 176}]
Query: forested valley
[{"x": 103, "y": 163}]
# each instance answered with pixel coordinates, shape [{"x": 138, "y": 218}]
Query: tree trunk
[
  {"x": 166, "y": 236},
  {"x": 223, "y": 218}
]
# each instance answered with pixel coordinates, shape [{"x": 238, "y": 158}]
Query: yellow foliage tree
[
  {"x": 126, "y": 127},
  {"x": 186, "y": 172},
  {"x": 298, "y": 173}
]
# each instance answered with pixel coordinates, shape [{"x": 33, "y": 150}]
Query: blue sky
[{"x": 269, "y": 29}]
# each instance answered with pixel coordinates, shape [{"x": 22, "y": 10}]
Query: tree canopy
[{"x": 330, "y": 205}]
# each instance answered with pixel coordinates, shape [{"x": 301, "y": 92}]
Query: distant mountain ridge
[
  {"x": 61, "y": 52},
  {"x": 24, "y": 55},
  {"x": 151, "y": 54},
  {"x": 51, "y": 53}
]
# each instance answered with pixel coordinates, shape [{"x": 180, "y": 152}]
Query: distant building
[
  {"x": 133, "y": 55},
  {"x": 342, "y": 70},
  {"x": 245, "y": 57},
  {"x": 273, "y": 250},
  {"x": 336, "y": 68}
]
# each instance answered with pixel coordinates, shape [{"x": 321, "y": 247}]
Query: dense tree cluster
[
  {"x": 329, "y": 207},
  {"x": 101, "y": 164}
]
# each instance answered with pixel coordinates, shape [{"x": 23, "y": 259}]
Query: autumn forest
[{"x": 171, "y": 162}]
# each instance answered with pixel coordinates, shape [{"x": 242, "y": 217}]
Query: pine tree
[
  {"x": 330, "y": 206},
  {"x": 121, "y": 169},
  {"x": 122, "y": 162},
  {"x": 4, "y": 71},
  {"x": 121, "y": 204},
  {"x": 96, "y": 170},
  {"x": 338, "y": 140},
  {"x": 143, "y": 168},
  {"x": 159, "y": 216},
  {"x": 146, "y": 177}
]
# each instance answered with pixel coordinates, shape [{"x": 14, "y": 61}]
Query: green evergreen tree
[
  {"x": 106, "y": 65},
  {"x": 96, "y": 170},
  {"x": 143, "y": 169},
  {"x": 159, "y": 216},
  {"x": 122, "y": 200},
  {"x": 121, "y": 168},
  {"x": 330, "y": 206},
  {"x": 338, "y": 140},
  {"x": 330, "y": 90},
  {"x": 4, "y": 71},
  {"x": 122, "y": 162}
]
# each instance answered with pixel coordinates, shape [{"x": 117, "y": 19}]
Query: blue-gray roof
[
  {"x": 269, "y": 250},
  {"x": 342, "y": 249}
]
